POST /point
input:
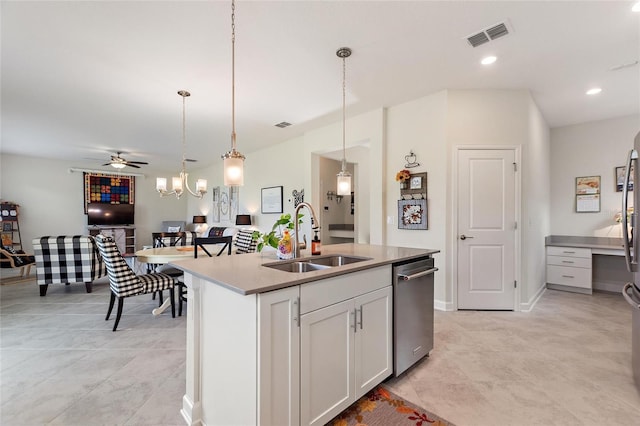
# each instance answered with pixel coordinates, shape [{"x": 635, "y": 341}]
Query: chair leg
[
  {"x": 113, "y": 299},
  {"x": 173, "y": 303},
  {"x": 43, "y": 289},
  {"x": 120, "y": 303},
  {"x": 89, "y": 287},
  {"x": 179, "y": 287},
  {"x": 161, "y": 297}
]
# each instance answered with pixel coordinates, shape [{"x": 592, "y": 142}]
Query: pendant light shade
[
  {"x": 344, "y": 177},
  {"x": 233, "y": 161}
]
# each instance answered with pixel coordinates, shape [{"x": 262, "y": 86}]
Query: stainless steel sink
[
  {"x": 296, "y": 266},
  {"x": 315, "y": 263},
  {"x": 337, "y": 260}
]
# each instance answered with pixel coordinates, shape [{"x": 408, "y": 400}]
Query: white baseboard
[
  {"x": 441, "y": 305},
  {"x": 528, "y": 306}
]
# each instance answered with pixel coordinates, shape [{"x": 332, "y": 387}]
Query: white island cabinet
[
  {"x": 270, "y": 347},
  {"x": 268, "y": 358}
]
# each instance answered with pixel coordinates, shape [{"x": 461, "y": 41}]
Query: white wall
[
  {"x": 589, "y": 149},
  {"x": 51, "y": 199}
]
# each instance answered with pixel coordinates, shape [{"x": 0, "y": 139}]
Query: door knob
[{"x": 464, "y": 237}]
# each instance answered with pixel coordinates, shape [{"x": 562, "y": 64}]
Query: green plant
[{"x": 271, "y": 238}]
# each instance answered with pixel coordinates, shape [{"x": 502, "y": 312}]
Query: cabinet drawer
[
  {"x": 564, "y": 275},
  {"x": 318, "y": 294},
  {"x": 576, "y": 262},
  {"x": 568, "y": 251}
]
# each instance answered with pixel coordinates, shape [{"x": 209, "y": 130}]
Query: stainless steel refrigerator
[{"x": 631, "y": 291}]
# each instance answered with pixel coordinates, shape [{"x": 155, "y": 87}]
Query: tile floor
[{"x": 565, "y": 363}]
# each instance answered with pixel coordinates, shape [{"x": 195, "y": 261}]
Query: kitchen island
[{"x": 271, "y": 347}]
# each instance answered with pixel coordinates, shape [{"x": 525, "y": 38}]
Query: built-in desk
[{"x": 584, "y": 264}]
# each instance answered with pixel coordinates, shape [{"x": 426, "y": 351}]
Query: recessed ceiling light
[
  {"x": 636, "y": 7},
  {"x": 488, "y": 60},
  {"x": 594, "y": 91}
]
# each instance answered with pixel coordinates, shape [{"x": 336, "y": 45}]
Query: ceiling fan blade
[
  {"x": 107, "y": 164},
  {"x": 133, "y": 165},
  {"x": 137, "y": 162},
  {"x": 190, "y": 160}
]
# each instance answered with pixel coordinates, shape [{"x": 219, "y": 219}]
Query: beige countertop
[
  {"x": 244, "y": 273},
  {"x": 586, "y": 242}
]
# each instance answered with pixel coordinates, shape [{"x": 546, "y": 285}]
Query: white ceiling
[{"x": 85, "y": 79}]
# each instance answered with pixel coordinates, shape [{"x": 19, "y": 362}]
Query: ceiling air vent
[
  {"x": 283, "y": 124},
  {"x": 488, "y": 34}
]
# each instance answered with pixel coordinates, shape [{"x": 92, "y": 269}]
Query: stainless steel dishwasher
[{"x": 412, "y": 312}]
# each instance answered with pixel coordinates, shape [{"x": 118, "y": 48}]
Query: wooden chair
[
  {"x": 10, "y": 258},
  {"x": 169, "y": 239},
  {"x": 125, "y": 283}
]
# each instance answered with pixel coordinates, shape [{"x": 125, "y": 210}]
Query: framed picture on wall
[
  {"x": 620, "y": 175},
  {"x": 271, "y": 200},
  {"x": 216, "y": 204},
  {"x": 587, "y": 185},
  {"x": 412, "y": 214}
]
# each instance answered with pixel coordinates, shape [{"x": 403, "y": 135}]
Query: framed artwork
[
  {"x": 234, "y": 203},
  {"x": 7, "y": 226},
  {"x": 224, "y": 205},
  {"x": 412, "y": 214},
  {"x": 416, "y": 187},
  {"x": 271, "y": 200},
  {"x": 216, "y": 204},
  {"x": 620, "y": 174},
  {"x": 587, "y": 185},
  {"x": 108, "y": 189}
]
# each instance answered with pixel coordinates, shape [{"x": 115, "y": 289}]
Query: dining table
[{"x": 162, "y": 255}]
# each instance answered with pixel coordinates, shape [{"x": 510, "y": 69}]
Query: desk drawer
[
  {"x": 564, "y": 275},
  {"x": 568, "y": 251},
  {"x": 576, "y": 262}
]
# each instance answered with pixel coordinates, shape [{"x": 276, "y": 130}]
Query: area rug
[{"x": 381, "y": 407}]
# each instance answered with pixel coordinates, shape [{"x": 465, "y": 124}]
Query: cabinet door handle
[
  {"x": 568, "y": 276},
  {"x": 567, "y": 261},
  {"x": 360, "y": 310},
  {"x": 569, "y": 252},
  {"x": 296, "y": 313},
  {"x": 355, "y": 328}
]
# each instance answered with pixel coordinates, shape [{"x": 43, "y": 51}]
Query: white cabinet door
[
  {"x": 326, "y": 362},
  {"x": 279, "y": 357},
  {"x": 373, "y": 351}
]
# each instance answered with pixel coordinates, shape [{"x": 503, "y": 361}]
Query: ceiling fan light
[{"x": 118, "y": 165}]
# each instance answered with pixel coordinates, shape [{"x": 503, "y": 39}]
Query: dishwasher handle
[{"x": 417, "y": 274}]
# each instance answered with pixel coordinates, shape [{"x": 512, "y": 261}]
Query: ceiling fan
[{"x": 119, "y": 163}]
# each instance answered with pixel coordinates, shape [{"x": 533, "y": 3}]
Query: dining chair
[
  {"x": 169, "y": 239},
  {"x": 123, "y": 282},
  {"x": 201, "y": 243},
  {"x": 245, "y": 242}
]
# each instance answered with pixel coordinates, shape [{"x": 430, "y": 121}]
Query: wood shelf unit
[
  {"x": 10, "y": 225},
  {"x": 124, "y": 236}
]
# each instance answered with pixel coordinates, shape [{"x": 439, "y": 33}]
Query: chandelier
[
  {"x": 344, "y": 177},
  {"x": 233, "y": 160},
  {"x": 180, "y": 183}
]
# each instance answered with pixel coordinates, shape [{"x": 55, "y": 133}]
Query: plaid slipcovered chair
[
  {"x": 124, "y": 282},
  {"x": 67, "y": 259},
  {"x": 245, "y": 242}
]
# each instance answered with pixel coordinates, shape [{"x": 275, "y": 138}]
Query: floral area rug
[{"x": 380, "y": 407}]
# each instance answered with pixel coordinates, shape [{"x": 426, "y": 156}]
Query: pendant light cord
[
  {"x": 344, "y": 85},
  {"x": 233, "y": 76},
  {"x": 184, "y": 133}
]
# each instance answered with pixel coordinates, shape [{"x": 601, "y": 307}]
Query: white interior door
[{"x": 486, "y": 229}]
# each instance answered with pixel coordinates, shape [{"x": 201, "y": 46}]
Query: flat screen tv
[{"x": 100, "y": 214}]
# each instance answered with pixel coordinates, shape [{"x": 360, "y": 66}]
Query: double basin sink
[{"x": 319, "y": 263}]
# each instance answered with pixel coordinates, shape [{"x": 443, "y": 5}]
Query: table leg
[{"x": 166, "y": 304}]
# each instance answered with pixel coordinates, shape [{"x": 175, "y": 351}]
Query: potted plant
[
  {"x": 272, "y": 238},
  {"x": 403, "y": 177}
]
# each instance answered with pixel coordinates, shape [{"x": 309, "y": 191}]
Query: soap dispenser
[{"x": 315, "y": 244}]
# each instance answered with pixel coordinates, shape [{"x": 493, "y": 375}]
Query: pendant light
[
  {"x": 233, "y": 160},
  {"x": 180, "y": 183},
  {"x": 344, "y": 177}
]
